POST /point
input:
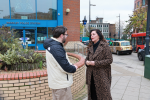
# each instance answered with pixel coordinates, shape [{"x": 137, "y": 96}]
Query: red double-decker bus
[{"x": 138, "y": 41}]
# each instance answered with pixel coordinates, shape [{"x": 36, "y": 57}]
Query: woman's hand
[
  {"x": 87, "y": 62},
  {"x": 90, "y": 63}
]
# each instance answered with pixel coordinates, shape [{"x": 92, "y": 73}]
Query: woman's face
[{"x": 94, "y": 37}]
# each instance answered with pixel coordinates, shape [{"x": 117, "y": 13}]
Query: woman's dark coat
[{"x": 101, "y": 71}]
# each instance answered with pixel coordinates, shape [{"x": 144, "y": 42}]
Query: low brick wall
[{"x": 33, "y": 85}]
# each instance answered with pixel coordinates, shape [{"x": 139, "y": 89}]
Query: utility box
[{"x": 147, "y": 67}]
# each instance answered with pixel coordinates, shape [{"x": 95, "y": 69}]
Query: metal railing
[{"x": 79, "y": 48}]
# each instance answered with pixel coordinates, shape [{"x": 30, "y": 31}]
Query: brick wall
[
  {"x": 136, "y": 3},
  {"x": 72, "y": 20},
  {"x": 33, "y": 85},
  {"x": 112, "y": 29}
]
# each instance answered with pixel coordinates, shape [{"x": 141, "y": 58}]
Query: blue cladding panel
[
  {"x": 40, "y": 47},
  {"x": 28, "y": 23},
  {"x": 60, "y": 12}
]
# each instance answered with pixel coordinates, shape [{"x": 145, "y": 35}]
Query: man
[{"x": 59, "y": 68}]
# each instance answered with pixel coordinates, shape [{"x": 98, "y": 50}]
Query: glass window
[
  {"x": 23, "y": 9},
  {"x": 117, "y": 44},
  {"x": 125, "y": 43},
  {"x": 138, "y": 3},
  {"x": 139, "y": 42},
  {"x": 143, "y": 40},
  {"x": 134, "y": 43},
  {"x": 47, "y": 9},
  {"x": 4, "y": 9},
  {"x": 29, "y": 34},
  {"x": 41, "y": 34},
  {"x": 143, "y": 2},
  {"x": 114, "y": 43},
  {"x": 50, "y": 30},
  {"x": 100, "y": 20}
]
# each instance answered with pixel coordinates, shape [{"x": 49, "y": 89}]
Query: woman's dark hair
[
  {"x": 58, "y": 31},
  {"x": 101, "y": 37}
]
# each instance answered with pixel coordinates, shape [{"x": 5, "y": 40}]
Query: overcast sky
[{"x": 108, "y": 9}]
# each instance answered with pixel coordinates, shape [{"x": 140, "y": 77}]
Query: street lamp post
[
  {"x": 84, "y": 23},
  {"x": 90, "y": 13},
  {"x": 119, "y": 27},
  {"x": 147, "y": 30}
]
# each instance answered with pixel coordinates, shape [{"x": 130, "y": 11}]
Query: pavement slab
[{"x": 128, "y": 82}]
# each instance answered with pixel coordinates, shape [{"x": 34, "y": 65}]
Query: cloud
[{"x": 108, "y": 9}]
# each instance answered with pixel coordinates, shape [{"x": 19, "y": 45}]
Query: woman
[{"x": 98, "y": 73}]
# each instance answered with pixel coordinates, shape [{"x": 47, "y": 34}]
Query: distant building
[
  {"x": 112, "y": 30},
  {"x": 105, "y": 28},
  {"x": 138, "y": 3}
]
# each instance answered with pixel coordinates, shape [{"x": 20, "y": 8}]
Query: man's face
[{"x": 64, "y": 37}]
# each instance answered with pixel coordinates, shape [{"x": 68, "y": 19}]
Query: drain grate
[
  {"x": 128, "y": 67},
  {"x": 120, "y": 63}
]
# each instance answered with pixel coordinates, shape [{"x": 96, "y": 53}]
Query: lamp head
[{"x": 67, "y": 11}]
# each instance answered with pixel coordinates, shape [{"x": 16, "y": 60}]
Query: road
[{"x": 133, "y": 57}]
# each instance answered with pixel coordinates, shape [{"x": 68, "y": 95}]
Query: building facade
[
  {"x": 138, "y": 3},
  {"x": 105, "y": 28},
  {"x": 112, "y": 29},
  {"x": 34, "y": 20}
]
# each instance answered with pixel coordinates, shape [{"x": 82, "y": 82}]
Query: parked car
[
  {"x": 120, "y": 47},
  {"x": 85, "y": 42},
  {"x": 141, "y": 54}
]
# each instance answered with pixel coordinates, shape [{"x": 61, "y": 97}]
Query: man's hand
[{"x": 76, "y": 66}]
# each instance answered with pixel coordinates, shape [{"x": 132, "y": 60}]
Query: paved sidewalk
[{"x": 128, "y": 82}]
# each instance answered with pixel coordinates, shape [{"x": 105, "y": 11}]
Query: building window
[
  {"x": 41, "y": 34},
  {"x": 135, "y": 6},
  {"x": 29, "y": 33},
  {"x": 100, "y": 20},
  {"x": 26, "y": 9},
  {"x": 47, "y": 9},
  {"x": 23, "y": 9},
  {"x": 50, "y": 30},
  {"x": 143, "y": 2},
  {"x": 138, "y": 3},
  {"x": 4, "y": 9}
]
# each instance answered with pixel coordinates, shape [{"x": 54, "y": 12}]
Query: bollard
[{"x": 147, "y": 67}]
